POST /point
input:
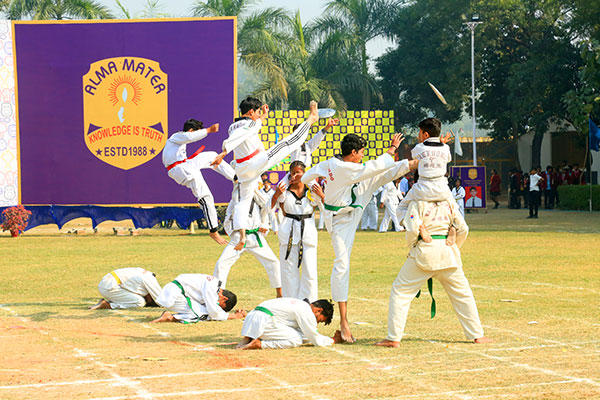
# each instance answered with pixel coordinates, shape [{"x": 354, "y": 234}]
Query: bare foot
[
  {"x": 346, "y": 334},
  {"x": 242, "y": 242},
  {"x": 314, "y": 114},
  {"x": 451, "y": 239},
  {"x": 483, "y": 340},
  {"x": 388, "y": 343},
  {"x": 243, "y": 342},
  {"x": 102, "y": 304},
  {"x": 255, "y": 344},
  {"x": 217, "y": 238},
  {"x": 425, "y": 236},
  {"x": 165, "y": 317}
]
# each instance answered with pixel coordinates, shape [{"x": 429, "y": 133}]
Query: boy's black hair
[
  {"x": 231, "y": 300},
  {"x": 352, "y": 142},
  {"x": 472, "y": 188},
  {"x": 250, "y": 103},
  {"x": 433, "y": 126},
  {"x": 297, "y": 163},
  {"x": 327, "y": 309},
  {"x": 192, "y": 124}
]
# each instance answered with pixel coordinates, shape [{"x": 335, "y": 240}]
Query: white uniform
[
  {"x": 298, "y": 240},
  {"x": 192, "y": 298},
  {"x": 126, "y": 287},
  {"x": 432, "y": 185},
  {"x": 290, "y": 323},
  {"x": 459, "y": 196},
  {"x": 437, "y": 260},
  {"x": 251, "y": 159},
  {"x": 273, "y": 218},
  {"x": 349, "y": 187},
  {"x": 371, "y": 213},
  {"x": 390, "y": 198},
  {"x": 256, "y": 242},
  {"x": 187, "y": 171}
]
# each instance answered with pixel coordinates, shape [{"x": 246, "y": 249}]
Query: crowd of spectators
[{"x": 550, "y": 180}]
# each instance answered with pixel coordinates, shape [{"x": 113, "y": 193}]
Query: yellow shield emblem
[
  {"x": 125, "y": 110},
  {"x": 472, "y": 173}
]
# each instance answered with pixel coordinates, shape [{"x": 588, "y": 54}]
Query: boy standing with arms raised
[{"x": 348, "y": 189}]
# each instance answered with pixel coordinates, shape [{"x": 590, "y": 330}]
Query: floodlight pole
[{"x": 472, "y": 25}]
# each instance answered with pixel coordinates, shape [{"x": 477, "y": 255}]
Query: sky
[{"x": 309, "y": 9}]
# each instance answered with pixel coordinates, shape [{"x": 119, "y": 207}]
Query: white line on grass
[
  {"x": 235, "y": 390},
  {"x": 563, "y": 287},
  {"x": 141, "y": 392},
  {"x": 464, "y": 391},
  {"x": 513, "y": 332}
]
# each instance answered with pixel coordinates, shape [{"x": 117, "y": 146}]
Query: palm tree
[
  {"x": 305, "y": 83},
  {"x": 221, "y": 8},
  {"x": 261, "y": 40},
  {"x": 151, "y": 10},
  {"x": 57, "y": 9},
  {"x": 346, "y": 28}
]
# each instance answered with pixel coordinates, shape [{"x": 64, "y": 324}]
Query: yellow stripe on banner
[{"x": 116, "y": 277}]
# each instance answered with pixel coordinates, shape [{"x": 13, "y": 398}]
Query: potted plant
[{"x": 14, "y": 219}]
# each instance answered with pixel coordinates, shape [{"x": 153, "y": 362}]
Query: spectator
[
  {"x": 495, "y": 182},
  {"x": 525, "y": 189},
  {"x": 513, "y": 190},
  {"x": 534, "y": 193}
]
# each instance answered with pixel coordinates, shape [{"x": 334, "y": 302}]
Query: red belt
[
  {"x": 241, "y": 160},
  {"x": 200, "y": 150}
]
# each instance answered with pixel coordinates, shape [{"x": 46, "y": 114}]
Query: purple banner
[
  {"x": 473, "y": 180},
  {"x": 98, "y": 100}
]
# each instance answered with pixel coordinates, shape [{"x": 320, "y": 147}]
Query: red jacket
[{"x": 495, "y": 182}]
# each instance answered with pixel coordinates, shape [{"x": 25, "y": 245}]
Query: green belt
[
  {"x": 435, "y": 237},
  {"x": 255, "y": 233},
  {"x": 188, "y": 301},
  {"x": 266, "y": 311},
  {"x": 353, "y": 197},
  {"x": 430, "y": 287}
]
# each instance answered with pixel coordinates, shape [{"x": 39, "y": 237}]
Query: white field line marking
[
  {"x": 145, "y": 325},
  {"x": 543, "y": 346},
  {"x": 563, "y": 287},
  {"x": 457, "y": 392},
  {"x": 502, "y": 289},
  {"x": 513, "y": 332},
  {"x": 122, "y": 381},
  {"x": 527, "y": 366},
  {"x": 236, "y": 390},
  {"x": 142, "y": 393},
  {"x": 292, "y": 388}
]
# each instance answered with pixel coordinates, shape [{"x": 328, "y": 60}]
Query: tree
[
  {"x": 152, "y": 9},
  {"x": 260, "y": 39},
  {"x": 346, "y": 28},
  {"x": 57, "y": 9},
  {"x": 528, "y": 64},
  {"x": 431, "y": 47}
]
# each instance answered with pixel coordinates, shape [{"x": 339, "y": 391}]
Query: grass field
[{"x": 536, "y": 283}]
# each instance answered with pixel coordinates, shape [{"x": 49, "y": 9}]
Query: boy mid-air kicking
[
  {"x": 187, "y": 171},
  {"x": 251, "y": 158}
]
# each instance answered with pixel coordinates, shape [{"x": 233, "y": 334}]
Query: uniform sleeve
[
  {"x": 211, "y": 301},
  {"x": 314, "y": 142},
  {"x": 308, "y": 325},
  {"x": 151, "y": 284},
  {"x": 399, "y": 169},
  {"x": 188, "y": 137},
  {"x": 315, "y": 172},
  {"x": 239, "y": 135},
  {"x": 412, "y": 222},
  {"x": 448, "y": 153}
]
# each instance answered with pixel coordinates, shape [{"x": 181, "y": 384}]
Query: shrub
[{"x": 576, "y": 197}]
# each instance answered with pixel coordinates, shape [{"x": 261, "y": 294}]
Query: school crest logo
[
  {"x": 125, "y": 110},
  {"x": 472, "y": 173}
]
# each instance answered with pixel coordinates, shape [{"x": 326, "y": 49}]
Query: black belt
[{"x": 301, "y": 218}]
